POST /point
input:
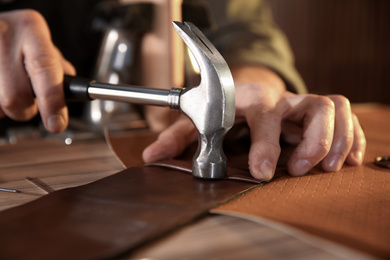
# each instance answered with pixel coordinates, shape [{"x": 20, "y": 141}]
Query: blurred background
[{"x": 340, "y": 46}]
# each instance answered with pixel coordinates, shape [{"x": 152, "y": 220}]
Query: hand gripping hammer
[{"x": 210, "y": 105}]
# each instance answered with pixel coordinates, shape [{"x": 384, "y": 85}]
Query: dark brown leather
[
  {"x": 186, "y": 166},
  {"x": 110, "y": 216},
  {"x": 121, "y": 212}
]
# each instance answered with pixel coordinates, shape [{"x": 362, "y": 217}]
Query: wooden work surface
[{"x": 60, "y": 166}]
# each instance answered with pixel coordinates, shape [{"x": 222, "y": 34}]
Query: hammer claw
[
  {"x": 189, "y": 31},
  {"x": 211, "y": 105}
]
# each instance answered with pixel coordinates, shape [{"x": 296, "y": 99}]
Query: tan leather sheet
[{"x": 350, "y": 207}]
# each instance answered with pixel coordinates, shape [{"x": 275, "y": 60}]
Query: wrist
[{"x": 258, "y": 74}]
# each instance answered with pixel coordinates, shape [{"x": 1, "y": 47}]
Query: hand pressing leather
[
  {"x": 31, "y": 64},
  {"x": 323, "y": 128}
]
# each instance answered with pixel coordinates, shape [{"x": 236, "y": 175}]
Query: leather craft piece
[
  {"x": 128, "y": 146},
  {"x": 186, "y": 166},
  {"x": 350, "y": 207},
  {"x": 111, "y": 216}
]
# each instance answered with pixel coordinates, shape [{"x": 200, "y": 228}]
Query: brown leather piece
[
  {"x": 350, "y": 207},
  {"x": 119, "y": 213},
  {"x": 186, "y": 166},
  {"x": 128, "y": 146},
  {"x": 110, "y": 216}
]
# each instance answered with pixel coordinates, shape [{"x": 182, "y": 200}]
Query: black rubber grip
[{"x": 76, "y": 88}]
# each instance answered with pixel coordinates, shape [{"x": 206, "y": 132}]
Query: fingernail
[
  {"x": 266, "y": 170},
  {"x": 335, "y": 163},
  {"x": 55, "y": 123},
  {"x": 302, "y": 167}
]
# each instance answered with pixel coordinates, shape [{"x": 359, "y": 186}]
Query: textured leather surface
[
  {"x": 351, "y": 207},
  {"x": 110, "y": 216}
]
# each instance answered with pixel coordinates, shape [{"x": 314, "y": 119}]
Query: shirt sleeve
[{"x": 245, "y": 34}]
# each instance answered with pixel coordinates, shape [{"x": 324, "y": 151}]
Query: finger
[
  {"x": 316, "y": 114},
  {"x": 257, "y": 105},
  {"x": 265, "y": 149},
  {"x": 46, "y": 74},
  {"x": 67, "y": 67},
  {"x": 291, "y": 133},
  {"x": 16, "y": 96},
  {"x": 172, "y": 141},
  {"x": 343, "y": 135},
  {"x": 355, "y": 157}
]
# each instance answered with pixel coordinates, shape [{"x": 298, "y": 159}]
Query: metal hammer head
[{"x": 211, "y": 105}]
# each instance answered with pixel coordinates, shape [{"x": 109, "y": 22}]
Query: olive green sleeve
[{"x": 246, "y": 34}]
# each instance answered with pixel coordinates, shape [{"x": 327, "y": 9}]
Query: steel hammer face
[{"x": 211, "y": 105}]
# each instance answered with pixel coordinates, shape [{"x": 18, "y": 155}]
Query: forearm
[{"x": 247, "y": 36}]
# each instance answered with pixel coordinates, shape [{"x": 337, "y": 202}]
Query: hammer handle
[{"x": 81, "y": 89}]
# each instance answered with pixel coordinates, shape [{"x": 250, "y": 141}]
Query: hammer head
[{"x": 211, "y": 105}]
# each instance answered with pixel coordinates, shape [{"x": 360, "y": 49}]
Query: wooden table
[{"x": 60, "y": 166}]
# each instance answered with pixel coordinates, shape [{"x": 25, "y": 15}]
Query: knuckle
[
  {"x": 321, "y": 148},
  {"x": 340, "y": 100},
  {"x": 30, "y": 17},
  {"x": 9, "y": 102},
  {"x": 42, "y": 62},
  {"x": 362, "y": 142},
  {"x": 317, "y": 149},
  {"x": 17, "y": 110},
  {"x": 346, "y": 141},
  {"x": 40, "y": 56},
  {"x": 270, "y": 147},
  {"x": 323, "y": 103}
]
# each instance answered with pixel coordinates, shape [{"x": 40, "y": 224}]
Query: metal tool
[
  {"x": 10, "y": 190},
  {"x": 383, "y": 161},
  {"x": 210, "y": 105}
]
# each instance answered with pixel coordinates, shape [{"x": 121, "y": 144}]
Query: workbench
[{"x": 56, "y": 165}]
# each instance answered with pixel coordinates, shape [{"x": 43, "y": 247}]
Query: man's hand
[
  {"x": 323, "y": 127},
  {"x": 31, "y": 65}
]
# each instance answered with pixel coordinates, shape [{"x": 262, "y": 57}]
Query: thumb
[{"x": 172, "y": 141}]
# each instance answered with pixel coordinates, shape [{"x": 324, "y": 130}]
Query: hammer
[{"x": 210, "y": 105}]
